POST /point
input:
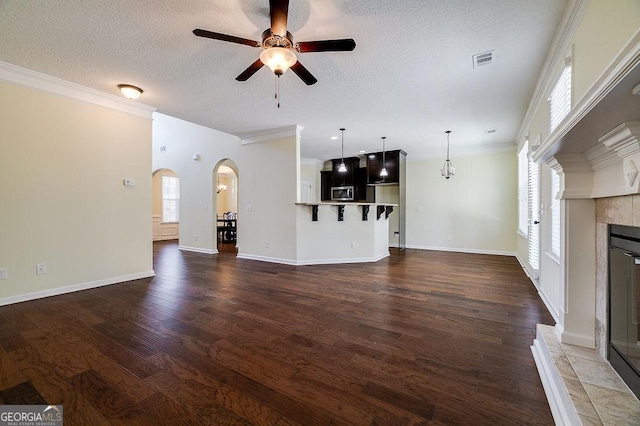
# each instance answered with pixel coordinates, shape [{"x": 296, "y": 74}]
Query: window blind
[
  {"x": 534, "y": 216},
  {"x": 170, "y": 199},
  {"x": 560, "y": 99},
  {"x": 555, "y": 214},
  {"x": 523, "y": 191}
]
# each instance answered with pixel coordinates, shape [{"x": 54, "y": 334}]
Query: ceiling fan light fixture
[
  {"x": 129, "y": 91},
  {"x": 278, "y": 59}
]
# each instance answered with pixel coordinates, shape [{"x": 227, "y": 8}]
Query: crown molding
[
  {"x": 561, "y": 42},
  {"x": 34, "y": 80},
  {"x": 311, "y": 162},
  {"x": 270, "y": 134}
]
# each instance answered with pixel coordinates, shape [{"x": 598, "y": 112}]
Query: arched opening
[
  {"x": 226, "y": 206},
  {"x": 166, "y": 205}
]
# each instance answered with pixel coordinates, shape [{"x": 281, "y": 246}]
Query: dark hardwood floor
[{"x": 422, "y": 337}]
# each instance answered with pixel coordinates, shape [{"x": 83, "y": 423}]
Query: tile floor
[{"x": 598, "y": 394}]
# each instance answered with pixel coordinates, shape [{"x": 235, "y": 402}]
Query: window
[
  {"x": 555, "y": 214},
  {"x": 523, "y": 191},
  {"x": 170, "y": 199},
  {"x": 534, "y": 215},
  {"x": 560, "y": 99}
]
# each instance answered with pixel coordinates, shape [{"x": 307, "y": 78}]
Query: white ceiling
[{"x": 410, "y": 77}]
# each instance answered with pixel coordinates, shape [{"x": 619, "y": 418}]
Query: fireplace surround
[{"x": 623, "y": 303}]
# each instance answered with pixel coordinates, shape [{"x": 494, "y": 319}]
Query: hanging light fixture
[
  {"x": 342, "y": 168},
  {"x": 447, "y": 169},
  {"x": 220, "y": 187},
  {"x": 383, "y": 172}
]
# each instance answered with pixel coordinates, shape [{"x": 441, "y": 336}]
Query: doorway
[
  {"x": 166, "y": 205},
  {"x": 226, "y": 206}
]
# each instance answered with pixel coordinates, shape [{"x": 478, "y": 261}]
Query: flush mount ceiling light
[
  {"x": 447, "y": 169},
  {"x": 343, "y": 167},
  {"x": 383, "y": 172},
  {"x": 129, "y": 91}
]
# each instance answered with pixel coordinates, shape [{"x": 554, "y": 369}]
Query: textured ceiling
[{"x": 410, "y": 77}]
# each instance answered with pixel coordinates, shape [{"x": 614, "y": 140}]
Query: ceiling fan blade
[
  {"x": 340, "y": 45},
  {"x": 225, "y": 37},
  {"x": 303, "y": 73},
  {"x": 251, "y": 70},
  {"x": 279, "y": 10}
]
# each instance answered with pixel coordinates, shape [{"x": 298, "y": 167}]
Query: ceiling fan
[{"x": 278, "y": 45}]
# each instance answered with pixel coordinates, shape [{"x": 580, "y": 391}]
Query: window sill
[
  {"x": 553, "y": 257},
  {"x": 523, "y": 235}
]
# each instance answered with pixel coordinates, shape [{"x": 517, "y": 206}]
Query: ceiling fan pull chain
[{"x": 278, "y": 90}]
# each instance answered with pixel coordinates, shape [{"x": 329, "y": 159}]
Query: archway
[
  {"x": 166, "y": 205},
  {"x": 226, "y": 206}
]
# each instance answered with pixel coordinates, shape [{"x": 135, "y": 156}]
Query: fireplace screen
[{"x": 624, "y": 300}]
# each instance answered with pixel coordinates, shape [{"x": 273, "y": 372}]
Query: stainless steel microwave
[{"x": 342, "y": 193}]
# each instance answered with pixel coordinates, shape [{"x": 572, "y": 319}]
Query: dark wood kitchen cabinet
[
  {"x": 347, "y": 178},
  {"x": 394, "y": 161},
  {"x": 326, "y": 182}
]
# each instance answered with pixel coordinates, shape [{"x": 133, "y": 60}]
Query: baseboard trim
[
  {"x": 198, "y": 250},
  {"x": 312, "y": 261},
  {"x": 75, "y": 287},
  {"x": 266, "y": 259},
  {"x": 557, "y": 396},
  {"x": 547, "y": 303},
  {"x": 340, "y": 261},
  {"x": 578, "y": 339},
  {"x": 463, "y": 250}
]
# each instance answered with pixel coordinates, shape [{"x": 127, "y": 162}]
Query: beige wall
[
  {"x": 476, "y": 207},
  {"x": 63, "y": 202}
]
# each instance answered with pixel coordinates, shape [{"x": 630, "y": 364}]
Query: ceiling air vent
[{"x": 485, "y": 58}]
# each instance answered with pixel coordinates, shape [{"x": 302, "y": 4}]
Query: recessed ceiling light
[{"x": 334, "y": 138}]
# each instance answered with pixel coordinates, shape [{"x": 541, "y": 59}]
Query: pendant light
[
  {"x": 220, "y": 187},
  {"x": 342, "y": 168},
  {"x": 383, "y": 172},
  {"x": 447, "y": 169}
]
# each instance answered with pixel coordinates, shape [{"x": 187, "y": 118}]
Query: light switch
[{"x": 128, "y": 182}]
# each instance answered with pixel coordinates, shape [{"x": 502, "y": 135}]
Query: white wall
[
  {"x": 63, "y": 202},
  {"x": 268, "y": 179},
  {"x": 310, "y": 169},
  {"x": 390, "y": 194},
  {"x": 476, "y": 207}
]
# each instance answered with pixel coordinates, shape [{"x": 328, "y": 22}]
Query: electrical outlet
[
  {"x": 419, "y": 208},
  {"x": 3, "y": 273},
  {"x": 353, "y": 244},
  {"x": 449, "y": 237},
  {"x": 249, "y": 208},
  {"x": 41, "y": 268},
  {"x": 195, "y": 238},
  {"x": 266, "y": 244}
]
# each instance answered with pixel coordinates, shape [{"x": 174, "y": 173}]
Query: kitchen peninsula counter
[{"x": 342, "y": 232}]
